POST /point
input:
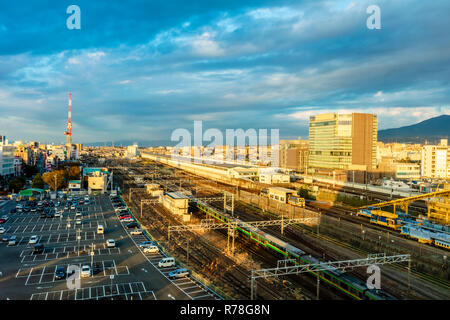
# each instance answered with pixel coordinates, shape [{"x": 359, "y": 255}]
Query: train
[
  {"x": 347, "y": 284},
  {"x": 423, "y": 231},
  {"x": 284, "y": 195}
]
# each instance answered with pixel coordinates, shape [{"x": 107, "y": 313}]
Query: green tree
[
  {"x": 304, "y": 193},
  {"x": 38, "y": 182},
  {"x": 16, "y": 184},
  {"x": 29, "y": 171}
]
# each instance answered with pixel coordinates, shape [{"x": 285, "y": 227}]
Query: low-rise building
[{"x": 177, "y": 203}]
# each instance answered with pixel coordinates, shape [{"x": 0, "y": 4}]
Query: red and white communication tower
[{"x": 68, "y": 131}]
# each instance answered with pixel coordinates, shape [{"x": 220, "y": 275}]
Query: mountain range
[{"x": 430, "y": 130}]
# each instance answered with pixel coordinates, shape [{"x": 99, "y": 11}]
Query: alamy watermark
[
  {"x": 374, "y": 280},
  {"x": 74, "y": 20},
  {"x": 250, "y": 146},
  {"x": 374, "y": 20},
  {"x": 73, "y": 280}
]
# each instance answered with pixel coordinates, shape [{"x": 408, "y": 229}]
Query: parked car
[
  {"x": 60, "y": 273},
  {"x": 145, "y": 244},
  {"x": 6, "y": 238},
  {"x": 33, "y": 239},
  {"x": 136, "y": 232},
  {"x": 2, "y": 230},
  {"x": 85, "y": 271},
  {"x": 2, "y": 220},
  {"x": 132, "y": 225},
  {"x": 179, "y": 273},
  {"x": 166, "y": 262},
  {"x": 110, "y": 243},
  {"x": 38, "y": 248},
  {"x": 12, "y": 241},
  {"x": 78, "y": 221},
  {"x": 125, "y": 217},
  {"x": 13, "y": 210},
  {"x": 151, "y": 249}
]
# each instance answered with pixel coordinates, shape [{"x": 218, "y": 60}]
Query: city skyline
[{"x": 143, "y": 70}]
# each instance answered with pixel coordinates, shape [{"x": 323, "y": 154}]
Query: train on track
[
  {"x": 347, "y": 284},
  {"x": 423, "y": 231}
]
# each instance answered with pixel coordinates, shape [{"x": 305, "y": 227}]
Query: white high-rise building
[
  {"x": 132, "y": 151},
  {"x": 436, "y": 160},
  {"x": 6, "y": 157}
]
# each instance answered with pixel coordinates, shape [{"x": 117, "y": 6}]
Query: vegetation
[
  {"x": 30, "y": 171},
  {"x": 55, "y": 177},
  {"x": 304, "y": 193},
  {"x": 353, "y": 201},
  {"x": 38, "y": 182},
  {"x": 16, "y": 184}
]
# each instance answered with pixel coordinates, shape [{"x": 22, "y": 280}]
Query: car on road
[
  {"x": 179, "y": 273},
  {"x": 110, "y": 243},
  {"x": 60, "y": 273},
  {"x": 33, "y": 239},
  {"x": 132, "y": 225},
  {"x": 38, "y": 248},
  {"x": 33, "y": 209},
  {"x": 85, "y": 271},
  {"x": 151, "y": 249},
  {"x": 2, "y": 230},
  {"x": 136, "y": 232},
  {"x": 58, "y": 214}
]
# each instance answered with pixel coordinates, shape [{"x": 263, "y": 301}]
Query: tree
[
  {"x": 304, "y": 193},
  {"x": 16, "y": 184},
  {"x": 29, "y": 171},
  {"x": 49, "y": 178},
  {"x": 38, "y": 182}
]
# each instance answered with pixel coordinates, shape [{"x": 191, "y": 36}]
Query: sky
[{"x": 138, "y": 70}]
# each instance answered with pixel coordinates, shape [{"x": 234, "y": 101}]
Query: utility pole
[
  {"x": 318, "y": 285},
  {"x": 78, "y": 238}
]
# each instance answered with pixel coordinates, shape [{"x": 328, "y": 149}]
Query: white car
[
  {"x": 151, "y": 249},
  {"x": 2, "y": 230},
  {"x": 127, "y": 220},
  {"x": 72, "y": 207},
  {"x": 78, "y": 221},
  {"x": 110, "y": 243},
  {"x": 58, "y": 214},
  {"x": 85, "y": 271},
  {"x": 33, "y": 240},
  {"x": 136, "y": 232}
]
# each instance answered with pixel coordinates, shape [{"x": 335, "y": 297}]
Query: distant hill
[
  {"x": 124, "y": 143},
  {"x": 431, "y": 130}
]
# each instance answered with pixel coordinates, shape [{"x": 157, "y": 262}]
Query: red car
[
  {"x": 2, "y": 220},
  {"x": 125, "y": 217}
]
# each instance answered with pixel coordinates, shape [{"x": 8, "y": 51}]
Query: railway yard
[{"x": 224, "y": 263}]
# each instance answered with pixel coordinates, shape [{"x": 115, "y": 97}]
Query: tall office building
[
  {"x": 343, "y": 141},
  {"x": 436, "y": 160}
]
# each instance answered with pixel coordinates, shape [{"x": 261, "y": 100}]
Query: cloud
[{"x": 161, "y": 64}]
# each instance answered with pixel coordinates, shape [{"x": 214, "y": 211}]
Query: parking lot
[{"x": 122, "y": 272}]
